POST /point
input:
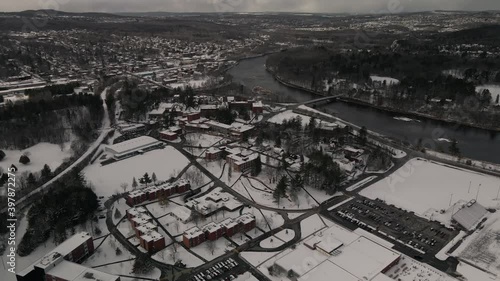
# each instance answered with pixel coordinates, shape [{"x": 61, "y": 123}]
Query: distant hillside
[
  {"x": 487, "y": 34},
  {"x": 50, "y": 12}
]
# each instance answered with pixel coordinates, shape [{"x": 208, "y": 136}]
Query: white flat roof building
[{"x": 133, "y": 145}]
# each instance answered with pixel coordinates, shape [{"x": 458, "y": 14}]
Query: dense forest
[
  {"x": 52, "y": 119},
  {"x": 69, "y": 203}
]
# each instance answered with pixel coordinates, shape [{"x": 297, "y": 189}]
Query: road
[{"x": 105, "y": 130}]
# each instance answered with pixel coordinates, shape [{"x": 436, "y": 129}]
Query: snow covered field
[
  {"x": 278, "y": 239},
  {"x": 106, "y": 180},
  {"x": 39, "y": 154},
  {"x": 427, "y": 187},
  {"x": 311, "y": 225},
  {"x": 220, "y": 247},
  {"x": 171, "y": 255},
  {"x": 204, "y": 140},
  {"x": 289, "y": 114}
]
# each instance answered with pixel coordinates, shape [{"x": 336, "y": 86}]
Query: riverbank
[{"x": 382, "y": 108}]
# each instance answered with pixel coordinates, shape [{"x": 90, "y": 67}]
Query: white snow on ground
[
  {"x": 164, "y": 163},
  {"x": 247, "y": 276},
  {"x": 204, "y": 140},
  {"x": 278, "y": 239},
  {"x": 473, "y": 274},
  {"x": 388, "y": 80},
  {"x": 494, "y": 90},
  {"x": 482, "y": 247},
  {"x": 257, "y": 258},
  {"x": 409, "y": 269},
  {"x": 39, "y": 154},
  {"x": 294, "y": 215},
  {"x": 272, "y": 219},
  {"x": 220, "y": 247},
  {"x": 442, "y": 255},
  {"x": 106, "y": 253},
  {"x": 286, "y": 235},
  {"x": 263, "y": 195},
  {"x": 271, "y": 242},
  {"x": 311, "y": 225},
  {"x": 289, "y": 114},
  {"x": 125, "y": 268},
  {"x": 426, "y": 187},
  {"x": 172, "y": 254},
  {"x": 122, "y": 207}
]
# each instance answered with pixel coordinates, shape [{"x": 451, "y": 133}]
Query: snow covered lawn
[
  {"x": 220, "y": 247},
  {"x": 426, "y": 188},
  {"x": 107, "y": 179},
  {"x": 171, "y": 255},
  {"x": 278, "y": 239},
  {"x": 203, "y": 140},
  {"x": 39, "y": 154}
]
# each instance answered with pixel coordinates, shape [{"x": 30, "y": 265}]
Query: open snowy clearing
[
  {"x": 203, "y": 140},
  {"x": 278, "y": 239},
  {"x": 39, "y": 154},
  {"x": 427, "y": 187},
  {"x": 210, "y": 252},
  {"x": 172, "y": 254},
  {"x": 382, "y": 79},
  {"x": 107, "y": 179},
  {"x": 311, "y": 225}
]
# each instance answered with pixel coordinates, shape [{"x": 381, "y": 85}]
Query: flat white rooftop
[
  {"x": 328, "y": 271},
  {"x": 133, "y": 144}
]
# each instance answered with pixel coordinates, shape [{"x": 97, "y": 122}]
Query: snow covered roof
[
  {"x": 134, "y": 144},
  {"x": 212, "y": 227},
  {"x": 64, "y": 249},
  {"x": 74, "y": 272},
  {"x": 193, "y": 232},
  {"x": 246, "y": 218},
  {"x": 470, "y": 214},
  {"x": 297, "y": 260},
  {"x": 363, "y": 251},
  {"x": 326, "y": 271},
  {"x": 152, "y": 236},
  {"x": 136, "y": 211}
]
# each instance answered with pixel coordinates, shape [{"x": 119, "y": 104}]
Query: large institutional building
[{"x": 62, "y": 264}]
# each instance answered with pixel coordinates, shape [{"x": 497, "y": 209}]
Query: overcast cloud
[{"x": 332, "y": 6}]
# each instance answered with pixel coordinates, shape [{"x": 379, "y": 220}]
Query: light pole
[{"x": 478, "y": 189}]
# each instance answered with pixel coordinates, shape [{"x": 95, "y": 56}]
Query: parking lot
[
  {"x": 225, "y": 270},
  {"x": 415, "y": 232}
]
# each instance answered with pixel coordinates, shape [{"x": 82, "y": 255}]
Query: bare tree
[
  {"x": 124, "y": 186},
  {"x": 210, "y": 246}
]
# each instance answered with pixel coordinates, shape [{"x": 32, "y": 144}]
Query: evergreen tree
[
  {"x": 153, "y": 177},
  {"x": 24, "y": 159},
  {"x": 46, "y": 172},
  {"x": 497, "y": 102},
  {"x": 2, "y": 155},
  {"x": 257, "y": 166},
  {"x": 134, "y": 184},
  {"x": 280, "y": 190},
  {"x": 363, "y": 135}
]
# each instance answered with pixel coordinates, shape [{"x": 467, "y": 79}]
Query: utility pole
[
  {"x": 470, "y": 183},
  {"x": 451, "y": 198},
  {"x": 478, "y": 189},
  {"x": 498, "y": 193}
]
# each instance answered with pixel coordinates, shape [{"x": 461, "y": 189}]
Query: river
[{"x": 473, "y": 143}]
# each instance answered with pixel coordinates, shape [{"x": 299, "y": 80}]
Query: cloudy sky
[{"x": 333, "y": 6}]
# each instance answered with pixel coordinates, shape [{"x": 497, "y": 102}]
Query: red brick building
[
  {"x": 213, "y": 231},
  {"x": 154, "y": 192},
  {"x": 193, "y": 237},
  {"x": 152, "y": 241},
  {"x": 213, "y": 153},
  {"x": 168, "y": 135}
]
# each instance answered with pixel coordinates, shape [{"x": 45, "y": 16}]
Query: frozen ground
[
  {"x": 278, "y": 239},
  {"x": 39, "y": 154},
  {"x": 172, "y": 254},
  {"x": 289, "y": 114},
  {"x": 220, "y": 247},
  {"x": 203, "y": 140},
  {"x": 426, "y": 188},
  {"x": 107, "y": 179}
]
